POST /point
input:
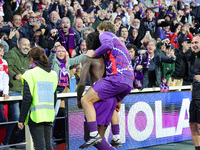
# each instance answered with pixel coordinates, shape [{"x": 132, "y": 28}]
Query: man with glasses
[
  {"x": 135, "y": 25},
  {"x": 118, "y": 24},
  {"x": 133, "y": 35},
  {"x": 118, "y": 18},
  {"x": 34, "y": 24}
]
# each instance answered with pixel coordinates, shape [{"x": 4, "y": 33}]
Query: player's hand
[
  {"x": 90, "y": 53},
  {"x": 79, "y": 105},
  {"x": 118, "y": 106}
]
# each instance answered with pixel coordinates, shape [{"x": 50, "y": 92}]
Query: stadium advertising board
[{"x": 145, "y": 120}]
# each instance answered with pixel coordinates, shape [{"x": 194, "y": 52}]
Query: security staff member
[{"x": 37, "y": 109}]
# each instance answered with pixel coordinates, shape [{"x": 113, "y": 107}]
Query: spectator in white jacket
[{"x": 4, "y": 78}]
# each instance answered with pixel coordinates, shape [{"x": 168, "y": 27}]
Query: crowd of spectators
[{"x": 158, "y": 37}]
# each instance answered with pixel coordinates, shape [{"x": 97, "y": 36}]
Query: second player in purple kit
[{"x": 117, "y": 83}]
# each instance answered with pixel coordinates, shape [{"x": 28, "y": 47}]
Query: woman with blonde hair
[{"x": 61, "y": 63}]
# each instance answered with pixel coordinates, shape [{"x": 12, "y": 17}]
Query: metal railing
[{"x": 66, "y": 96}]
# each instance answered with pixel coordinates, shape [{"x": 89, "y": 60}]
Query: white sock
[
  {"x": 116, "y": 137},
  {"x": 94, "y": 133}
]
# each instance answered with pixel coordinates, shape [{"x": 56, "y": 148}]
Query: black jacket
[
  {"x": 180, "y": 65},
  {"x": 195, "y": 70},
  {"x": 8, "y": 9},
  {"x": 28, "y": 29},
  {"x": 50, "y": 26}
]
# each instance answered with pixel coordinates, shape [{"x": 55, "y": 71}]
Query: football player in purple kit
[
  {"x": 104, "y": 109},
  {"x": 117, "y": 83}
]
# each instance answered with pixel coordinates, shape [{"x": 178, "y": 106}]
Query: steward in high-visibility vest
[{"x": 42, "y": 85}]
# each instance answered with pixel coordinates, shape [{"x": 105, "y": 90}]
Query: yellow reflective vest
[{"x": 42, "y": 85}]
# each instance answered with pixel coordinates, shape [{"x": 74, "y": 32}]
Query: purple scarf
[
  {"x": 147, "y": 60},
  {"x": 164, "y": 86},
  {"x": 39, "y": 64},
  {"x": 145, "y": 64},
  {"x": 63, "y": 80},
  {"x": 71, "y": 40},
  {"x": 138, "y": 74},
  {"x": 132, "y": 38}
]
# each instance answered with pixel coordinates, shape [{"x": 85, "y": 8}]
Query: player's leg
[
  {"x": 116, "y": 142},
  {"x": 194, "y": 127},
  {"x": 195, "y": 124},
  {"x": 103, "y": 144},
  {"x": 104, "y": 111},
  {"x": 102, "y": 89},
  {"x": 87, "y": 102}
]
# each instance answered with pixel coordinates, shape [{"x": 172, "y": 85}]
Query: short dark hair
[
  {"x": 122, "y": 28},
  {"x": 135, "y": 5},
  {"x": 92, "y": 41},
  {"x": 118, "y": 16},
  {"x": 132, "y": 46},
  {"x": 150, "y": 10},
  {"x": 167, "y": 16},
  {"x": 16, "y": 14},
  {"x": 191, "y": 3}
]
